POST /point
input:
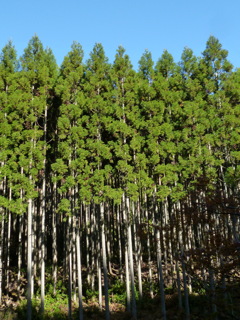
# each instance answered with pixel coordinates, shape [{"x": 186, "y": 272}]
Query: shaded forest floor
[
  {"x": 202, "y": 303},
  {"x": 227, "y": 305}
]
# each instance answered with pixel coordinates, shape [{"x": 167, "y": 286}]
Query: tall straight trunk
[
  {"x": 1, "y": 252},
  {"x": 160, "y": 275},
  {"x": 127, "y": 280},
  {"x": 25, "y": 236},
  {"x": 126, "y": 244},
  {"x": 130, "y": 257},
  {"x": 42, "y": 247},
  {"x": 74, "y": 276},
  {"x": 133, "y": 293},
  {"x": 74, "y": 259},
  {"x": 29, "y": 246},
  {"x": 96, "y": 256},
  {"x": 149, "y": 251},
  {"x": 69, "y": 258},
  {"x": 159, "y": 258},
  {"x": 179, "y": 237},
  {"x": 43, "y": 214},
  {"x": 99, "y": 266},
  {"x": 36, "y": 253},
  {"x": 20, "y": 231},
  {"x": 20, "y": 245},
  {"x": 100, "y": 298},
  {"x": 94, "y": 248},
  {"x": 8, "y": 242},
  {"x": 179, "y": 286},
  {"x": 88, "y": 229},
  {"x": 165, "y": 235},
  {"x": 104, "y": 257},
  {"x": 29, "y": 260},
  {"x": 110, "y": 235},
  {"x": 79, "y": 273},
  {"x": 213, "y": 293},
  {"x": 186, "y": 294},
  {"x": 43, "y": 251},
  {"x": 137, "y": 242},
  {"x": 120, "y": 250},
  {"x": 54, "y": 237}
]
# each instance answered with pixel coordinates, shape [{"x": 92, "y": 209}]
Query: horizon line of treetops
[
  {"x": 146, "y": 52},
  {"x": 106, "y": 172}
]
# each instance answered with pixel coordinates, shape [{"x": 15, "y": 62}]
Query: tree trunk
[
  {"x": 29, "y": 261},
  {"x": 160, "y": 275},
  {"x": 43, "y": 214},
  {"x": 1, "y": 253},
  {"x": 20, "y": 245},
  {"x": 186, "y": 295},
  {"x": 104, "y": 257},
  {"x": 54, "y": 237},
  {"x": 69, "y": 253},
  {"x": 8, "y": 242},
  {"x": 79, "y": 272},
  {"x": 42, "y": 237},
  {"x": 130, "y": 257}
]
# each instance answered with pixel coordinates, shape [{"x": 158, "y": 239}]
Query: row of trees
[{"x": 105, "y": 171}]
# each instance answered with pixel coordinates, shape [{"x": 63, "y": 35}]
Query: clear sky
[{"x": 135, "y": 24}]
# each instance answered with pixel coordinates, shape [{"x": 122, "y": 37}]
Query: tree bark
[
  {"x": 29, "y": 261},
  {"x": 79, "y": 272},
  {"x": 104, "y": 257}
]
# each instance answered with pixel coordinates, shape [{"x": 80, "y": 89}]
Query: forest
[{"x": 119, "y": 189}]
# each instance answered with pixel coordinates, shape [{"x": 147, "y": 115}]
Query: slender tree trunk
[
  {"x": 126, "y": 254},
  {"x": 29, "y": 247},
  {"x": 160, "y": 274},
  {"x": 186, "y": 294},
  {"x": 109, "y": 235},
  {"x": 36, "y": 254},
  {"x": 100, "y": 298},
  {"x": 43, "y": 215},
  {"x": 149, "y": 251},
  {"x": 213, "y": 293},
  {"x": 127, "y": 280},
  {"x": 138, "y": 249},
  {"x": 20, "y": 231},
  {"x": 1, "y": 252},
  {"x": 94, "y": 247},
  {"x": 42, "y": 237},
  {"x": 74, "y": 255},
  {"x": 69, "y": 253},
  {"x": 8, "y": 242},
  {"x": 88, "y": 231},
  {"x": 130, "y": 256},
  {"x": 159, "y": 260},
  {"x": 179, "y": 287},
  {"x": 29, "y": 261},
  {"x": 54, "y": 237},
  {"x": 20, "y": 245},
  {"x": 104, "y": 257},
  {"x": 119, "y": 243},
  {"x": 79, "y": 272}
]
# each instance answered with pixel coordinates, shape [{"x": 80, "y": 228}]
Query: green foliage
[
  {"x": 64, "y": 206},
  {"x": 91, "y": 294},
  {"x": 117, "y": 292},
  {"x": 146, "y": 66},
  {"x": 55, "y": 308}
]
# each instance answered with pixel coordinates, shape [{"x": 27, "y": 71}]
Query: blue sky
[{"x": 136, "y": 25}]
